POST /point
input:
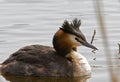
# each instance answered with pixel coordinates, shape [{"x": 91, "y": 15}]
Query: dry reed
[
  {"x": 119, "y": 47},
  {"x": 99, "y": 11},
  {"x": 94, "y": 33}
]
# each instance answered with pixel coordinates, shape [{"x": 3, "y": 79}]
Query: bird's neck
[{"x": 62, "y": 43}]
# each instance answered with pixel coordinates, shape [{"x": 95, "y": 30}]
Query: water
[{"x": 26, "y": 22}]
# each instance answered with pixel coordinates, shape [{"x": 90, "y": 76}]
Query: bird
[{"x": 60, "y": 60}]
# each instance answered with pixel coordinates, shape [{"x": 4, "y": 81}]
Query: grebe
[{"x": 62, "y": 60}]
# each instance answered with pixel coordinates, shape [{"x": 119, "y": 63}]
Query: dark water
[
  {"x": 45, "y": 79},
  {"x": 26, "y": 22}
]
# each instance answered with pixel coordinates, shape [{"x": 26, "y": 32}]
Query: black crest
[{"x": 72, "y": 28}]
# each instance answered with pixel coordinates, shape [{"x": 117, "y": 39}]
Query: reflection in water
[{"x": 12, "y": 78}]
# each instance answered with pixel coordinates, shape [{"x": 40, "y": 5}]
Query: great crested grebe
[{"x": 62, "y": 60}]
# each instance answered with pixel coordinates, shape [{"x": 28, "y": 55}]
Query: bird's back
[{"x": 37, "y": 60}]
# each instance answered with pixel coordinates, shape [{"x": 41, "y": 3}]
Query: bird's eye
[
  {"x": 76, "y": 39},
  {"x": 79, "y": 40}
]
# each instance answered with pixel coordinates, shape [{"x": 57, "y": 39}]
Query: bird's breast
[{"x": 81, "y": 65}]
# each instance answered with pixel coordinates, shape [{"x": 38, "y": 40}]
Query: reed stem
[
  {"x": 94, "y": 33},
  {"x": 99, "y": 11},
  {"x": 119, "y": 47}
]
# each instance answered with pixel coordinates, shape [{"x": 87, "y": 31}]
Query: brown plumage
[
  {"x": 62, "y": 43},
  {"x": 37, "y": 60}
]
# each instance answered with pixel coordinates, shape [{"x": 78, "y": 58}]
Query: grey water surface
[{"x": 27, "y": 22}]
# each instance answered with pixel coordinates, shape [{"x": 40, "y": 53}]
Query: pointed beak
[
  {"x": 85, "y": 43},
  {"x": 89, "y": 45}
]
